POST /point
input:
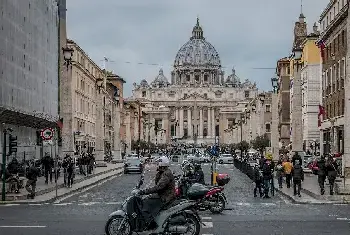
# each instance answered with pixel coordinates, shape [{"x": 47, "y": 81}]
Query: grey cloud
[{"x": 247, "y": 34}]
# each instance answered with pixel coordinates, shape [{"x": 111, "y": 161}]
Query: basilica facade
[{"x": 198, "y": 104}]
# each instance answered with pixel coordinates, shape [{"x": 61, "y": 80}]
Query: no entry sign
[{"x": 47, "y": 133}]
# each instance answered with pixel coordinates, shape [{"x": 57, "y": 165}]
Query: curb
[
  {"x": 117, "y": 173},
  {"x": 294, "y": 201}
]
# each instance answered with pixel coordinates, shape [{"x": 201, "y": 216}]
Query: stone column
[
  {"x": 335, "y": 140},
  {"x": 116, "y": 128},
  {"x": 200, "y": 132},
  {"x": 128, "y": 131},
  {"x": 189, "y": 122},
  {"x": 297, "y": 130},
  {"x": 321, "y": 142},
  {"x": 181, "y": 122},
  {"x": 209, "y": 123},
  {"x": 100, "y": 129},
  {"x": 213, "y": 122},
  {"x": 68, "y": 145},
  {"x": 274, "y": 127}
]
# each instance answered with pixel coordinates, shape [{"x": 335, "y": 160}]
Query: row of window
[
  {"x": 335, "y": 109},
  {"x": 85, "y": 127},
  {"x": 84, "y": 106},
  {"x": 332, "y": 13},
  {"x": 333, "y": 78},
  {"x": 86, "y": 88},
  {"x": 231, "y": 95},
  {"x": 336, "y": 46}
]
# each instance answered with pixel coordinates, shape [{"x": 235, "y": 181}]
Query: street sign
[
  {"x": 47, "y": 142},
  {"x": 47, "y": 133}
]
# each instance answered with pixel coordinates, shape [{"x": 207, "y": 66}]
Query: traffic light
[{"x": 12, "y": 144}]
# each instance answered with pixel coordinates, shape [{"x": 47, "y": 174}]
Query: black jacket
[
  {"x": 32, "y": 173},
  {"x": 296, "y": 159},
  {"x": 298, "y": 172},
  {"x": 199, "y": 177},
  {"x": 322, "y": 170},
  {"x": 164, "y": 186}
]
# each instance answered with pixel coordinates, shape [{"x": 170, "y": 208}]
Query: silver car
[
  {"x": 225, "y": 159},
  {"x": 133, "y": 165}
]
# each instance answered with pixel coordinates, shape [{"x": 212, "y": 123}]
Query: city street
[{"x": 86, "y": 212}]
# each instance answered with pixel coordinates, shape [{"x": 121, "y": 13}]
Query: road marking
[
  {"x": 343, "y": 219},
  {"x": 243, "y": 204},
  {"x": 11, "y": 204},
  {"x": 88, "y": 203},
  {"x": 207, "y": 224},
  {"x": 35, "y": 204},
  {"x": 18, "y": 226},
  {"x": 113, "y": 203},
  {"x": 62, "y": 204},
  {"x": 206, "y": 218}
]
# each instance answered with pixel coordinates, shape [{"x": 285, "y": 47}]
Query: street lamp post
[
  {"x": 297, "y": 137},
  {"x": 274, "y": 126}
]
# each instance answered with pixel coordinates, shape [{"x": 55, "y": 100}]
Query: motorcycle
[
  {"x": 212, "y": 197},
  {"x": 179, "y": 217}
]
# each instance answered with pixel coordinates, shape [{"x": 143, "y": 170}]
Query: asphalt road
[{"x": 86, "y": 212}]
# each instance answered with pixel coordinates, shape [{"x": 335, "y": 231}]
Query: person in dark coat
[
  {"x": 332, "y": 171},
  {"x": 298, "y": 176},
  {"x": 32, "y": 177},
  {"x": 258, "y": 178},
  {"x": 267, "y": 176},
  {"x": 321, "y": 173},
  {"x": 48, "y": 164},
  {"x": 198, "y": 176},
  {"x": 296, "y": 159}
]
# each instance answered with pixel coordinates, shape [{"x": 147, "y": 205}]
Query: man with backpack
[
  {"x": 32, "y": 177},
  {"x": 298, "y": 176},
  {"x": 267, "y": 176}
]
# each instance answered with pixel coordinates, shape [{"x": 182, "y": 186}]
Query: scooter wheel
[
  {"x": 219, "y": 206},
  {"x": 113, "y": 224}
]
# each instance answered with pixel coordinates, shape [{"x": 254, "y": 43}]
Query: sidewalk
[
  {"x": 47, "y": 192},
  {"x": 310, "y": 192}
]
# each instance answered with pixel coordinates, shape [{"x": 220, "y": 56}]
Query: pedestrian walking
[
  {"x": 332, "y": 171},
  {"x": 258, "y": 179},
  {"x": 298, "y": 177},
  {"x": 279, "y": 173},
  {"x": 48, "y": 164},
  {"x": 32, "y": 177},
  {"x": 267, "y": 176},
  {"x": 296, "y": 159},
  {"x": 287, "y": 166},
  {"x": 321, "y": 173}
]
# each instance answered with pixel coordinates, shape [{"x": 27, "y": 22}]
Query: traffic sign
[{"x": 47, "y": 133}]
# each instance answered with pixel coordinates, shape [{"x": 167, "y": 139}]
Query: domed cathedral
[{"x": 198, "y": 105}]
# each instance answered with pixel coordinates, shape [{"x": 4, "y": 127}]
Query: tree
[
  {"x": 261, "y": 142},
  {"x": 243, "y": 146},
  {"x": 233, "y": 147}
]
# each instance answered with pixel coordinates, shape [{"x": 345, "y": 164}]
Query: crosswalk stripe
[
  {"x": 207, "y": 224},
  {"x": 206, "y": 218}
]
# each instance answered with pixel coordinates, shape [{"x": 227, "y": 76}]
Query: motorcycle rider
[
  {"x": 162, "y": 193},
  {"x": 198, "y": 176}
]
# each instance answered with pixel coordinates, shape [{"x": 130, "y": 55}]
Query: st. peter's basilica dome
[
  {"x": 160, "y": 80},
  {"x": 197, "y": 51}
]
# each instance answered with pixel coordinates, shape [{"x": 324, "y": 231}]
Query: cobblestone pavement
[{"x": 86, "y": 212}]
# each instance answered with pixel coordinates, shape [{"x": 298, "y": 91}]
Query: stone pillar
[
  {"x": 68, "y": 145},
  {"x": 209, "y": 123},
  {"x": 274, "y": 127},
  {"x": 116, "y": 127},
  {"x": 181, "y": 122},
  {"x": 177, "y": 123},
  {"x": 335, "y": 140},
  {"x": 189, "y": 122},
  {"x": 321, "y": 142},
  {"x": 200, "y": 132},
  {"x": 297, "y": 130},
  {"x": 100, "y": 129},
  {"x": 213, "y": 122},
  {"x": 128, "y": 131}
]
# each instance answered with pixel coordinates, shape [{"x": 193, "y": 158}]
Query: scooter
[
  {"x": 180, "y": 217},
  {"x": 212, "y": 198}
]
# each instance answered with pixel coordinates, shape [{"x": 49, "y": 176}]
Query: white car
[{"x": 225, "y": 159}]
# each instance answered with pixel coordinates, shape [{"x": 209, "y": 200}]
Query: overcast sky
[{"x": 246, "y": 33}]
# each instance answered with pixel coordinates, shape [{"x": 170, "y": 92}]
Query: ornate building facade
[{"x": 199, "y": 103}]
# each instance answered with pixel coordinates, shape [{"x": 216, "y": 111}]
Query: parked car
[
  {"x": 225, "y": 158},
  {"x": 133, "y": 165},
  {"x": 204, "y": 158}
]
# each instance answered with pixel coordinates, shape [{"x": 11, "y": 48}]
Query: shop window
[{"x": 268, "y": 127}]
